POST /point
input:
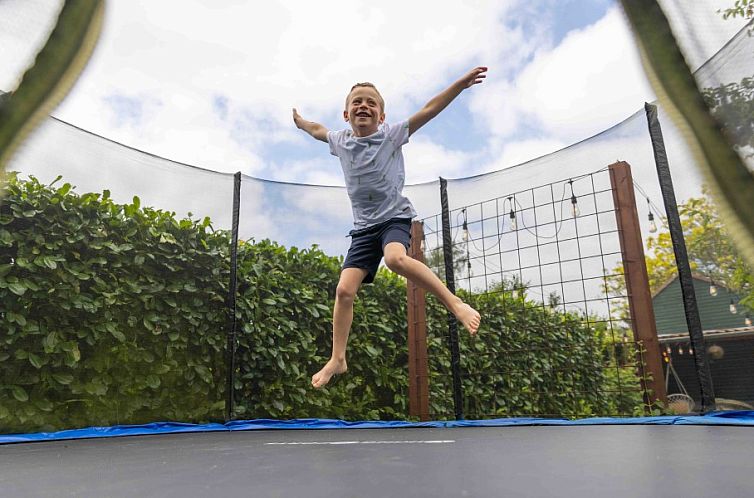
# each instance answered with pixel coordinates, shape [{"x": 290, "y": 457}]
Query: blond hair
[{"x": 367, "y": 84}]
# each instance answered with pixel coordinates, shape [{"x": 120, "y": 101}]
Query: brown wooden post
[
  {"x": 418, "y": 370},
  {"x": 637, "y": 283}
]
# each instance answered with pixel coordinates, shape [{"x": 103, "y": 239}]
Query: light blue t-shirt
[{"x": 374, "y": 172}]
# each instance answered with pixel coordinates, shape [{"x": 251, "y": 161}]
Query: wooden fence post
[
  {"x": 637, "y": 283},
  {"x": 418, "y": 371}
]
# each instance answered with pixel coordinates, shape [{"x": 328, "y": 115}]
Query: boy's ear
[
  {"x": 345, "y": 115},
  {"x": 382, "y": 118}
]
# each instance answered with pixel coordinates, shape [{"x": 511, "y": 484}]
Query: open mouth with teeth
[{"x": 363, "y": 115}]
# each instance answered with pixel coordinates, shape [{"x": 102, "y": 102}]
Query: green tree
[
  {"x": 741, "y": 8},
  {"x": 732, "y": 105},
  {"x": 711, "y": 253}
]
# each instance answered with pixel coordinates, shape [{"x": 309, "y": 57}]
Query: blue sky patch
[
  {"x": 220, "y": 106},
  {"x": 126, "y": 110}
]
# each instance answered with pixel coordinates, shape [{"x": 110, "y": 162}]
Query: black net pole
[
  {"x": 232, "y": 290},
  {"x": 455, "y": 355},
  {"x": 682, "y": 261}
]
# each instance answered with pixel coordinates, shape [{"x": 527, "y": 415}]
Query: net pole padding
[
  {"x": 232, "y": 291},
  {"x": 418, "y": 369},
  {"x": 641, "y": 309},
  {"x": 455, "y": 355},
  {"x": 690, "y": 306}
]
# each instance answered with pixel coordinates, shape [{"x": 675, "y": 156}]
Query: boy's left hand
[
  {"x": 297, "y": 119},
  {"x": 474, "y": 77}
]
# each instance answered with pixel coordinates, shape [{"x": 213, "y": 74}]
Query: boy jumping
[{"x": 372, "y": 161}]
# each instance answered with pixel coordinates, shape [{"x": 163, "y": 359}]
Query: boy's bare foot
[
  {"x": 333, "y": 367},
  {"x": 469, "y": 317}
]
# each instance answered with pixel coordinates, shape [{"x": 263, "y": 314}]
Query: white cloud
[
  {"x": 324, "y": 170},
  {"x": 587, "y": 83},
  {"x": 518, "y": 152},
  {"x": 425, "y": 158},
  {"x": 265, "y": 61}
]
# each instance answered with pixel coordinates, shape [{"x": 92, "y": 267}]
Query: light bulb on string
[
  {"x": 514, "y": 225},
  {"x": 747, "y": 321},
  {"x": 575, "y": 211},
  {"x": 668, "y": 350},
  {"x": 712, "y": 288},
  {"x": 652, "y": 224},
  {"x": 680, "y": 350},
  {"x": 691, "y": 350},
  {"x": 732, "y": 307},
  {"x": 465, "y": 227}
]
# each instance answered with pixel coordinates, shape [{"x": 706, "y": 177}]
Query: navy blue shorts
[{"x": 368, "y": 244}]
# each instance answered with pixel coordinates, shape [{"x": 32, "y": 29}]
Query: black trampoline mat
[{"x": 564, "y": 461}]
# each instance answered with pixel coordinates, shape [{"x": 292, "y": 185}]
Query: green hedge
[
  {"x": 117, "y": 314},
  {"x": 110, "y": 313},
  {"x": 529, "y": 360}
]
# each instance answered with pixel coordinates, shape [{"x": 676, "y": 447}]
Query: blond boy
[{"x": 372, "y": 161}]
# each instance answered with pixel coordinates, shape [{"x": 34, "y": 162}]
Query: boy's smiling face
[{"x": 364, "y": 111}]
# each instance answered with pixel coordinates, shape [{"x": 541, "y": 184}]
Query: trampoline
[
  {"x": 138, "y": 315},
  {"x": 661, "y": 456}
]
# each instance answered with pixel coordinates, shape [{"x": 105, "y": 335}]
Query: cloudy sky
[{"x": 212, "y": 83}]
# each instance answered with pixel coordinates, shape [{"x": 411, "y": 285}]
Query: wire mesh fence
[{"x": 544, "y": 267}]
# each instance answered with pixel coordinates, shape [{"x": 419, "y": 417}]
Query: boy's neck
[{"x": 364, "y": 131}]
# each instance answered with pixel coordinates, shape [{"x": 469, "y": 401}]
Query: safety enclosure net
[{"x": 136, "y": 289}]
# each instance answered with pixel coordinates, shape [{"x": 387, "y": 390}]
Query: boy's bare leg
[
  {"x": 348, "y": 285},
  {"x": 397, "y": 260}
]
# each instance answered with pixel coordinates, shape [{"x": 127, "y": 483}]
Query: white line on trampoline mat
[{"x": 312, "y": 443}]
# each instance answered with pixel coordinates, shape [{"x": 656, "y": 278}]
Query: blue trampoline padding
[{"x": 743, "y": 418}]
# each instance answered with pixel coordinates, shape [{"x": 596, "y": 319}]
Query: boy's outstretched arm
[
  {"x": 441, "y": 101},
  {"x": 316, "y": 130}
]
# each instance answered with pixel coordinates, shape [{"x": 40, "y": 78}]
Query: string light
[
  {"x": 575, "y": 211},
  {"x": 712, "y": 288},
  {"x": 465, "y": 227},
  {"x": 747, "y": 321},
  {"x": 514, "y": 225},
  {"x": 732, "y": 307},
  {"x": 716, "y": 352},
  {"x": 680, "y": 350},
  {"x": 652, "y": 224}
]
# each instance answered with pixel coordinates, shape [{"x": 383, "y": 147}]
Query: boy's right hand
[{"x": 316, "y": 130}]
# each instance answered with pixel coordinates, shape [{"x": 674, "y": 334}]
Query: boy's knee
[
  {"x": 396, "y": 262},
  {"x": 344, "y": 293}
]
